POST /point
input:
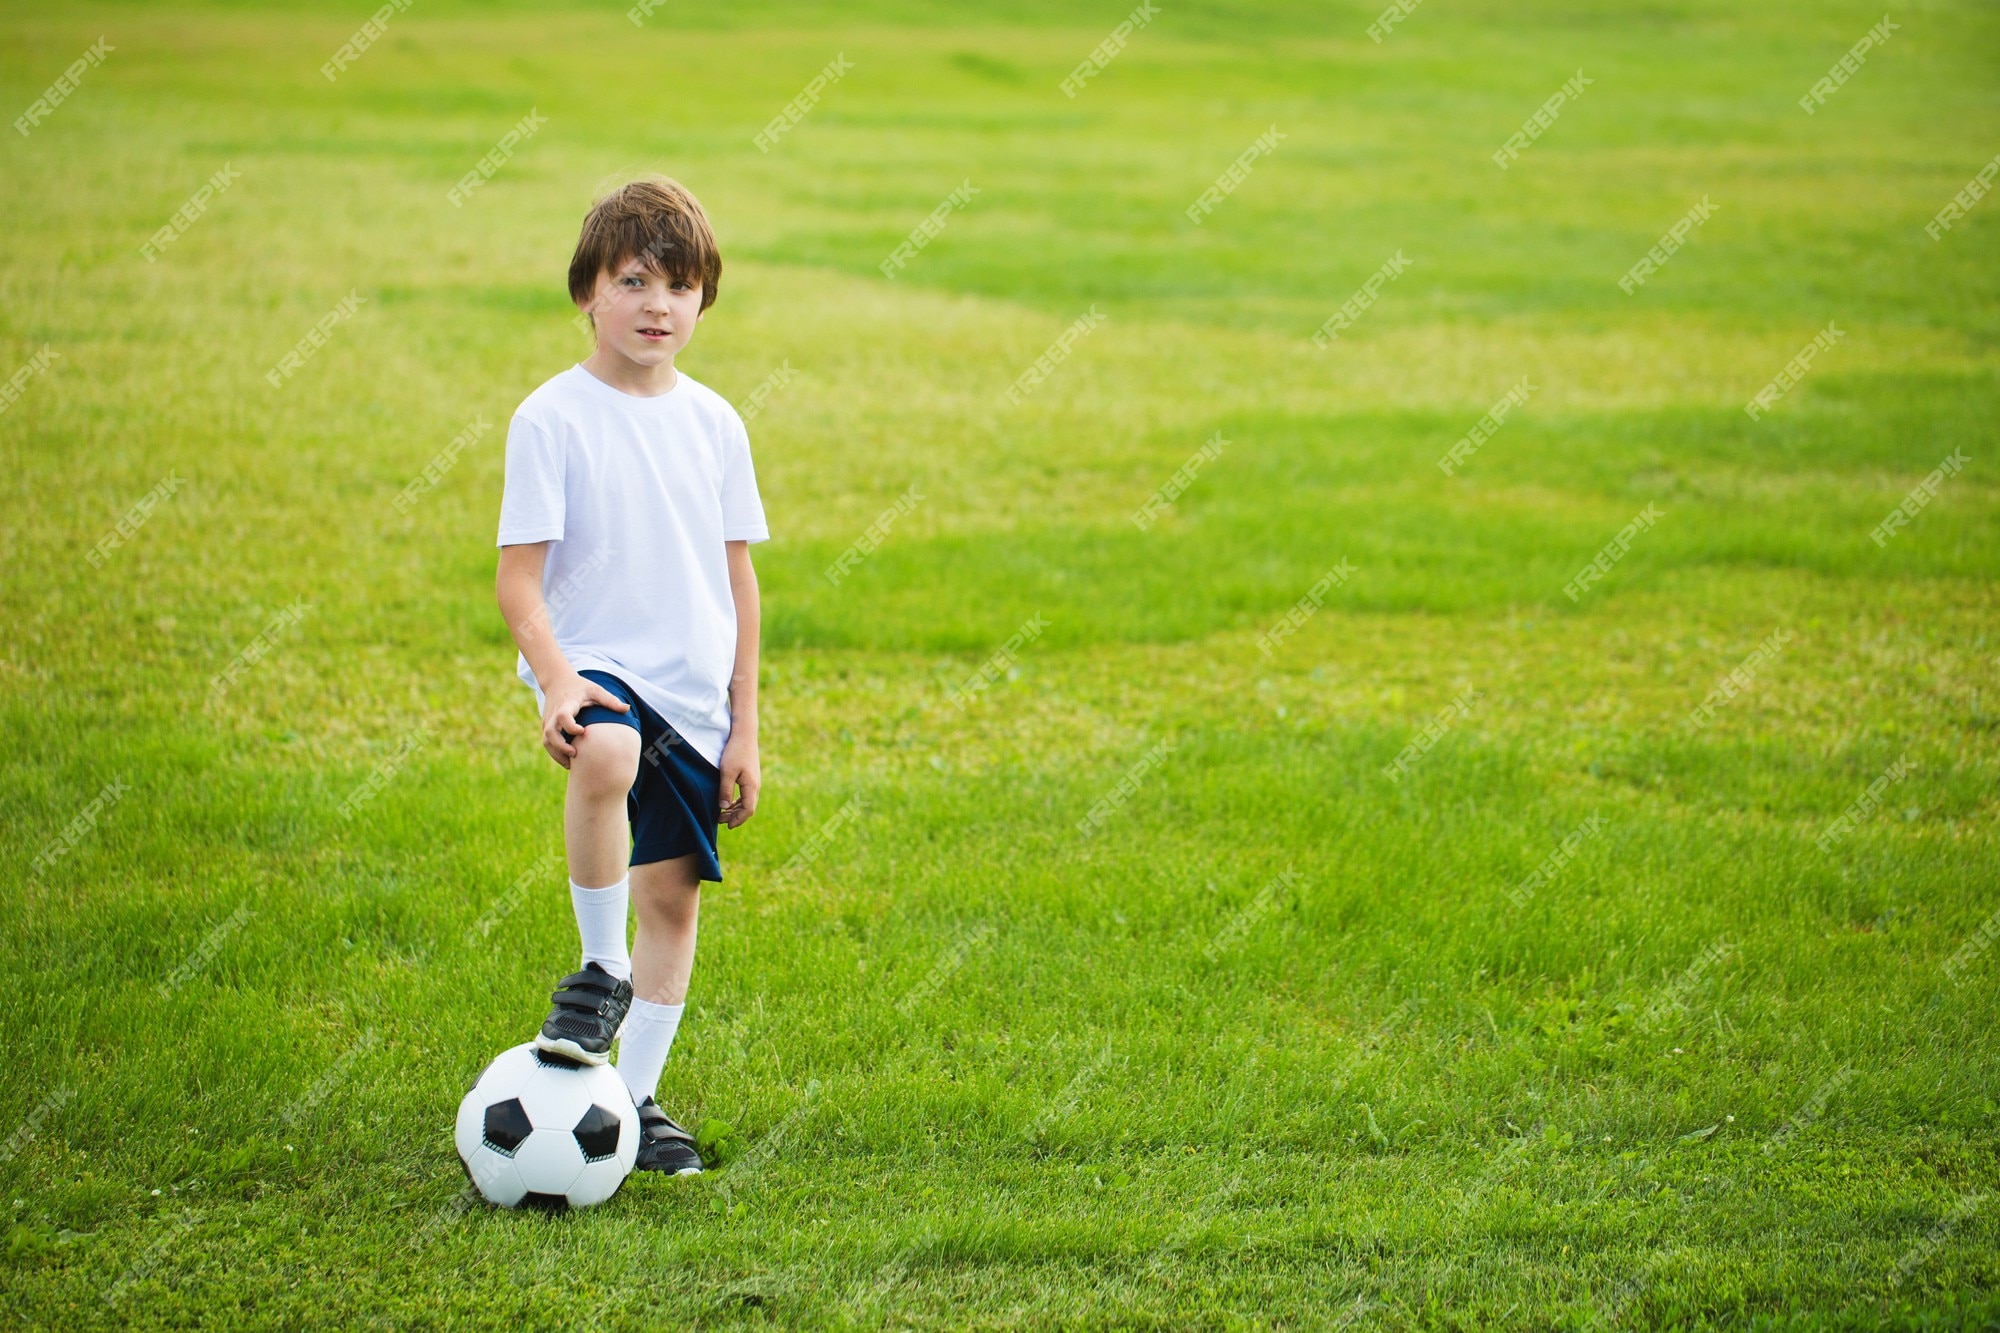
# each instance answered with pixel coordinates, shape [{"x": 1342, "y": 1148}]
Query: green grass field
[{"x": 1282, "y": 1043}]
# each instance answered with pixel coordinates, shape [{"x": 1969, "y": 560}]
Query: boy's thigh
[
  {"x": 676, "y": 803},
  {"x": 608, "y": 742},
  {"x": 591, "y": 714}
]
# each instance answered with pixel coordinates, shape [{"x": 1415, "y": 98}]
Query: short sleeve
[
  {"x": 742, "y": 507},
  {"x": 531, "y": 502}
]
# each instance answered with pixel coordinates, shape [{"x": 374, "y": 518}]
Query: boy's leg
[
  {"x": 596, "y": 832},
  {"x": 590, "y": 1005},
  {"x": 666, "y": 895},
  {"x": 597, "y": 838}
]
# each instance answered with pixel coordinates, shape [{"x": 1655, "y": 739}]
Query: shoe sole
[{"x": 564, "y": 1046}]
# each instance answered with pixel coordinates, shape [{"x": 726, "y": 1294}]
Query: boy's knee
[
  {"x": 606, "y": 761},
  {"x": 671, "y": 899}
]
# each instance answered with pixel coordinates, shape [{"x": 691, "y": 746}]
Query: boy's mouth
[{"x": 654, "y": 335}]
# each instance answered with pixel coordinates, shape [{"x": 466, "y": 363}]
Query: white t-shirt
[{"x": 636, "y": 497}]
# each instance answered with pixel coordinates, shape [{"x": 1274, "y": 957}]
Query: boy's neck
[{"x": 628, "y": 376}]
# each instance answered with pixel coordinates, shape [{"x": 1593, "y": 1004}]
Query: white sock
[
  {"x": 642, "y": 1050},
  {"x": 600, "y": 920}
]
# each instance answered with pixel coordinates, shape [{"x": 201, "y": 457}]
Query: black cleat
[
  {"x": 589, "y": 1009},
  {"x": 664, "y": 1145}
]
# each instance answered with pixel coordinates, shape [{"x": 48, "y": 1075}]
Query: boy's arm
[
  {"x": 518, "y": 587},
  {"x": 740, "y": 773}
]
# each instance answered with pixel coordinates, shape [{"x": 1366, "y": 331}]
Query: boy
[{"x": 625, "y": 530}]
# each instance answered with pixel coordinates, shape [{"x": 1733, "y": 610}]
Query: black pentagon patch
[
  {"x": 547, "y": 1203},
  {"x": 507, "y": 1126},
  {"x": 556, "y": 1059},
  {"x": 597, "y": 1134}
]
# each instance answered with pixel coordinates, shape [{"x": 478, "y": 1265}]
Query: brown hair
[{"x": 655, "y": 220}]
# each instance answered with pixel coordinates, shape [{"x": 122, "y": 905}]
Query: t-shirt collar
[{"x": 659, "y": 402}]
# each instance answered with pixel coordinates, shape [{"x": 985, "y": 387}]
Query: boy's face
[{"x": 643, "y": 316}]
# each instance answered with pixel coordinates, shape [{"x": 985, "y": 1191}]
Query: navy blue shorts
[{"x": 675, "y": 800}]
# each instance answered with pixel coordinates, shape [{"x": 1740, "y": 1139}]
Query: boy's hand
[
  {"x": 563, "y": 700},
  {"x": 740, "y": 776}
]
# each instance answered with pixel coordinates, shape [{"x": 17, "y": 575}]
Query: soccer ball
[{"x": 539, "y": 1130}]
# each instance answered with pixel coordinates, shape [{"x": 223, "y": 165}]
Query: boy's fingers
[
  {"x": 600, "y": 695},
  {"x": 735, "y": 812}
]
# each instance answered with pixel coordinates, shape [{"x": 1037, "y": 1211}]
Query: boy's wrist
[{"x": 560, "y": 680}]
